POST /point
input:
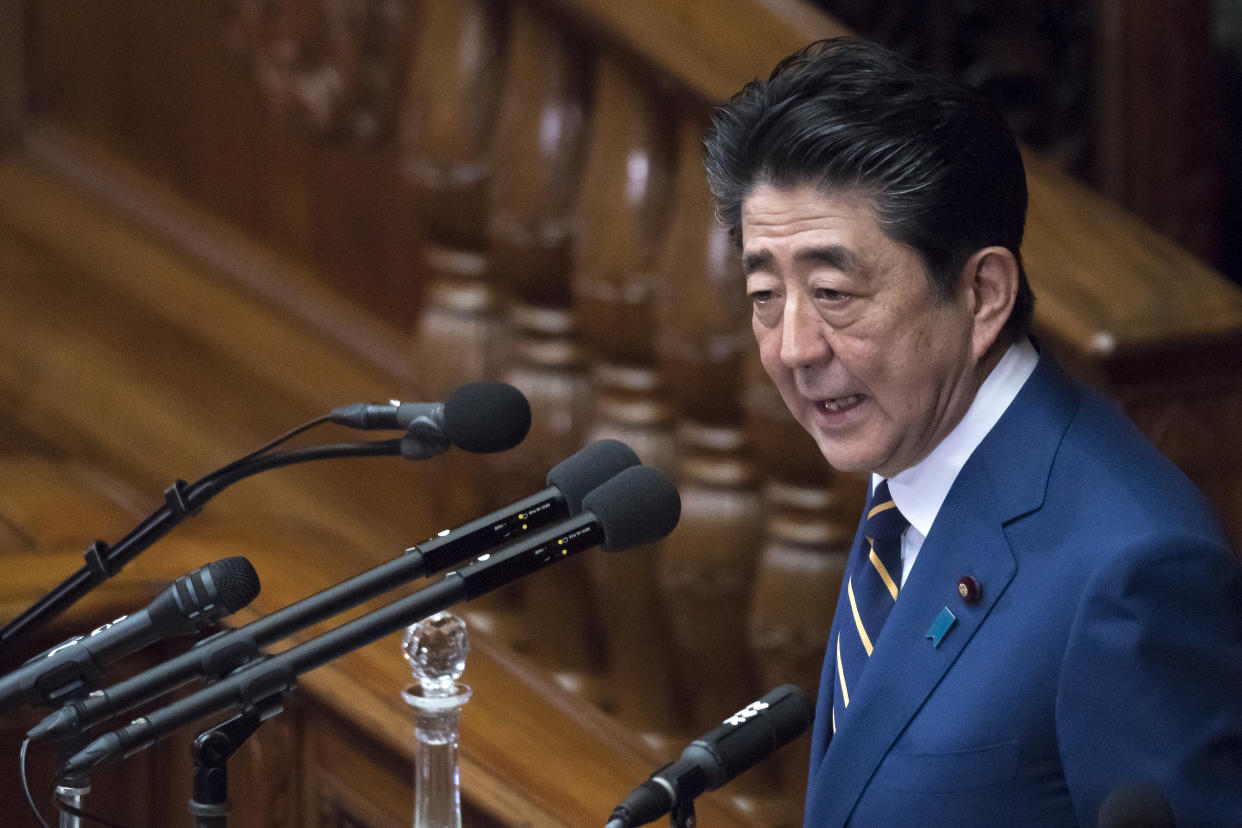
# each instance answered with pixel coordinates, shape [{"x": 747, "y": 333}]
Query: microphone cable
[
  {"x": 61, "y": 806},
  {"x": 181, "y": 500},
  {"x": 26, "y": 784},
  {"x": 80, "y": 814},
  {"x": 479, "y": 417},
  {"x": 282, "y": 439}
]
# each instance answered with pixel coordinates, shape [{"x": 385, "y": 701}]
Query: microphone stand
[
  {"x": 212, "y": 749},
  {"x": 180, "y": 501},
  {"x": 224, "y": 652},
  {"x": 637, "y": 506},
  {"x": 682, "y": 814},
  {"x": 278, "y": 673},
  {"x": 71, "y": 789},
  {"x": 228, "y": 650}
]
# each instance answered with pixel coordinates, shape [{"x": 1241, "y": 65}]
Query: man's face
[{"x": 866, "y": 358}]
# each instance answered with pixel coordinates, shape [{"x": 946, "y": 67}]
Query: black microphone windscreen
[
  {"x": 237, "y": 583},
  {"x": 640, "y": 505},
  {"x": 579, "y": 474},
  {"x": 752, "y": 733},
  {"x": 486, "y": 417},
  {"x": 1136, "y": 806}
]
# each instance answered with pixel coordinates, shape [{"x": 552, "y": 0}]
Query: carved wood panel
[
  {"x": 1122, "y": 95},
  {"x": 526, "y": 176}
]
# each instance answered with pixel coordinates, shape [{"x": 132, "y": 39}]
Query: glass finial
[{"x": 435, "y": 649}]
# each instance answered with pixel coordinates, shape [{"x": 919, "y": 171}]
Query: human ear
[{"x": 990, "y": 276}]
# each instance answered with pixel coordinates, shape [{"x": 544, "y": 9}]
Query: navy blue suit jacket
[{"x": 1105, "y": 650}]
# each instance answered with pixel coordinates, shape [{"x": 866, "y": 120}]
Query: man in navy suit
[{"x": 1039, "y": 609}]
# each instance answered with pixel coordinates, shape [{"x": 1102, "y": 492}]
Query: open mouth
[{"x": 836, "y": 404}]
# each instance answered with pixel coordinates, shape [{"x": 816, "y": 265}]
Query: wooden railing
[{"x": 224, "y": 219}]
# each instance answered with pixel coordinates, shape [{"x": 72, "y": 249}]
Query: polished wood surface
[
  {"x": 448, "y": 120},
  {"x": 532, "y": 754},
  {"x": 1161, "y": 126},
  {"x": 538, "y": 152},
  {"x": 710, "y": 47},
  {"x": 221, "y": 221}
]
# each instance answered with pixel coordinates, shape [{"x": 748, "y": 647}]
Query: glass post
[{"x": 436, "y": 651}]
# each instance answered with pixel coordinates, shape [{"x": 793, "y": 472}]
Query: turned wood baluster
[
  {"x": 812, "y": 513},
  {"x": 273, "y": 36},
  {"x": 623, "y": 212},
  {"x": 447, "y": 124},
  {"x": 707, "y": 568},
  {"x": 330, "y": 69},
  {"x": 341, "y": 95},
  {"x": 329, "y": 72},
  {"x": 538, "y": 154},
  {"x": 446, "y": 128}
]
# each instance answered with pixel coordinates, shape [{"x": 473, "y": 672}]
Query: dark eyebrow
[
  {"x": 833, "y": 255},
  {"x": 755, "y": 260}
]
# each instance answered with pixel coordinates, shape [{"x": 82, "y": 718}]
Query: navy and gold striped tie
[{"x": 871, "y": 590}]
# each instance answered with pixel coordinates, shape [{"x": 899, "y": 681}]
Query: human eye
[
  {"x": 761, "y": 288},
  {"x": 765, "y": 301},
  {"x": 831, "y": 296}
]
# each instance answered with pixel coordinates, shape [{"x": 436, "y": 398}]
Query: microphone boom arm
[
  {"x": 278, "y": 674},
  {"x": 180, "y": 501},
  {"x": 569, "y": 482}
]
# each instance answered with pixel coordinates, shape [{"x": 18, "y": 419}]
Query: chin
[{"x": 843, "y": 460}]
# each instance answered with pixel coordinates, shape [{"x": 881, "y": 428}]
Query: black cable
[
  {"x": 222, "y": 472},
  {"x": 80, "y": 814},
  {"x": 284, "y": 438},
  {"x": 181, "y": 500},
  {"x": 26, "y": 785},
  {"x": 211, "y": 485}
]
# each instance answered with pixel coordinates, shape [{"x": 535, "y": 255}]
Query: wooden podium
[{"x": 220, "y": 220}]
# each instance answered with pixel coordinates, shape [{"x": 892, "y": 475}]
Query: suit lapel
[
  {"x": 821, "y": 726},
  {"x": 968, "y": 538},
  {"x": 906, "y": 666}
]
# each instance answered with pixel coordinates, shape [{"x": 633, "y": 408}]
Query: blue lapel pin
[{"x": 940, "y": 626}]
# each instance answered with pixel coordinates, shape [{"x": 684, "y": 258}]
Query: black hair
[{"x": 941, "y": 167}]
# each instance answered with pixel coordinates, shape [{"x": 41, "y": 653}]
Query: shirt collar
[{"x": 920, "y": 490}]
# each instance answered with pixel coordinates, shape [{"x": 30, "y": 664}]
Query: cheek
[
  {"x": 768, "y": 341},
  {"x": 940, "y": 350},
  {"x": 864, "y": 357},
  {"x": 916, "y": 372}
]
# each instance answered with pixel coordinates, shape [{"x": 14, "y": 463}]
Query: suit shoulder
[{"x": 1105, "y": 454}]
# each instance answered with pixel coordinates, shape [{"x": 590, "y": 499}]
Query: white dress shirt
[{"x": 920, "y": 490}]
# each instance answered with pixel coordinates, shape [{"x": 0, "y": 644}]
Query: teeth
[{"x": 840, "y": 402}]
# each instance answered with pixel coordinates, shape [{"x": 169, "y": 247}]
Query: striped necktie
[{"x": 871, "y": 590}]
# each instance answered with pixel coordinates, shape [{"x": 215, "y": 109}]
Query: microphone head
[
  {"x": 763, "y": 726},
  {"x": 639, "y": 505},
  {"x": 198, "y": 599},
  {"x": 236, "y": 582},
  {"x": 580, "y": 473},
  {"x": 486, "y": 417},
  {"x": 1136, "y": 806}
]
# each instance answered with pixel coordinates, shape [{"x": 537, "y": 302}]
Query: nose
[{"x": 802, "y": 334}]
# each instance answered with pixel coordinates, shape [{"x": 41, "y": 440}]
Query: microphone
[
  {"x": 569, "y": 482},
  {"x": 191, "y": 603},
  {"x": 1136, "y": 806},
  {"x": 481, "y": 417},
  {"x": 638, "y": 506},
  {"x": 715, "y": 758}
]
